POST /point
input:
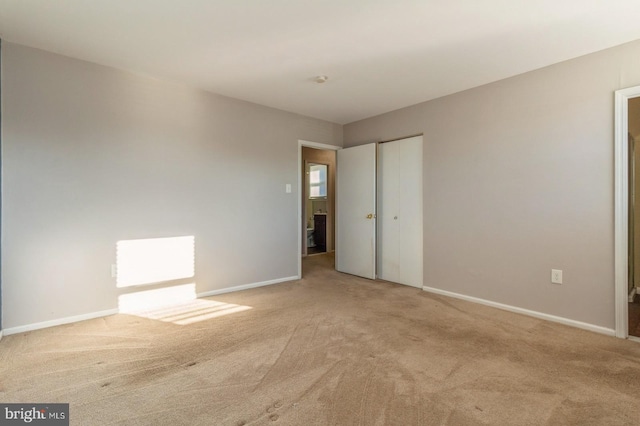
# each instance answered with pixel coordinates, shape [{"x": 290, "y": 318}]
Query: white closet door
[
  {"x": 388, "y": 203},
  {"x": 400, "y": 211},
  {"x": 356, "y": 211}
]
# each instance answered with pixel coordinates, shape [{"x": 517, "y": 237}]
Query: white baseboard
[
  {"x": 535, "y": 314},
  {"x": 632, "y": 294},
  {"x": 634, "y": 339},
  {"x": 246, "y": 286},
  {"x": 61, "y": 321},
  {"x": 92, "y": 315}
]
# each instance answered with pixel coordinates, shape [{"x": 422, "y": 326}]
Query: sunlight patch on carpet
[{"x": 177, "y": 305}]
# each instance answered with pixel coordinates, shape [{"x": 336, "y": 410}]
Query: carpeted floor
[{"x": 330, "y": 349}]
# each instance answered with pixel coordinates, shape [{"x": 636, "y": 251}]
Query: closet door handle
[{"x": 370, "y": 216}]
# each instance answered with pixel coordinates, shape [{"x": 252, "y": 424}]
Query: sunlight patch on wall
[
  {"x": 154, "y": 260},
  {"x": 176, "y": 305},
  {"x": 157, "y": 260}
]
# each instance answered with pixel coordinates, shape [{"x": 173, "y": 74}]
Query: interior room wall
[
  {"x": 94, "y": 155},
  {"x": 519, "y": 179},
  {"x": 320, "y": 156},
  {"x": 318, "y": 206}
]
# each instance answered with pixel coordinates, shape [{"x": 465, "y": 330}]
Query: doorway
[
  {"x": 633, "y": 282},
  {"x": 627, "y": 212},
  {"x": 316, "y": 199}
]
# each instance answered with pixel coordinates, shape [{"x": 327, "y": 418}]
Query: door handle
[{"x": 370, "y": 216}]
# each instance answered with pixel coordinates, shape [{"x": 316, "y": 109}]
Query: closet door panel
[
  {"x": 356, "y": 210},
  {"x": 400, "y": 211},
  {"x": 388, "y": 202},
  {"x": 410, "y": 211}
]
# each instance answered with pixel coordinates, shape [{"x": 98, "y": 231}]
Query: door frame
[
  {"x": 621, "y": 222},
  {"x": 315, "y": 145}
]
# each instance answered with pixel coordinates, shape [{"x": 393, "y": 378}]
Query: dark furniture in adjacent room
[{"x": 320, "y": 231}]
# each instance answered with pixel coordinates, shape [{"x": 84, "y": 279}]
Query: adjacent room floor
[
  {"x": 316, "y": 250},
  {"x": 330, "y": 349}
]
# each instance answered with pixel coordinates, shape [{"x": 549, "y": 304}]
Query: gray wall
[
  {"x": 519, "y": 179},
  {"x": 93, "y": 155}
]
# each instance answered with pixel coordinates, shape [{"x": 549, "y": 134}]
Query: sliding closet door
[{"x": 400, "y": 211}]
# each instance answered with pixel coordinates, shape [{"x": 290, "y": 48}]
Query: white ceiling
[{"x": 380, "y": 55}]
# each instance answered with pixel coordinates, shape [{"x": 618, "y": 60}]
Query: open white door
[{"x": 356, "y": 211}]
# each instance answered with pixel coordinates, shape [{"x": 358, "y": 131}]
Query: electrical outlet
[{"x": 556, "y": 276}]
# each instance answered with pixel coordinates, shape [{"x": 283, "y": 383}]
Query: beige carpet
[{"x": 330, "y": 349}]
